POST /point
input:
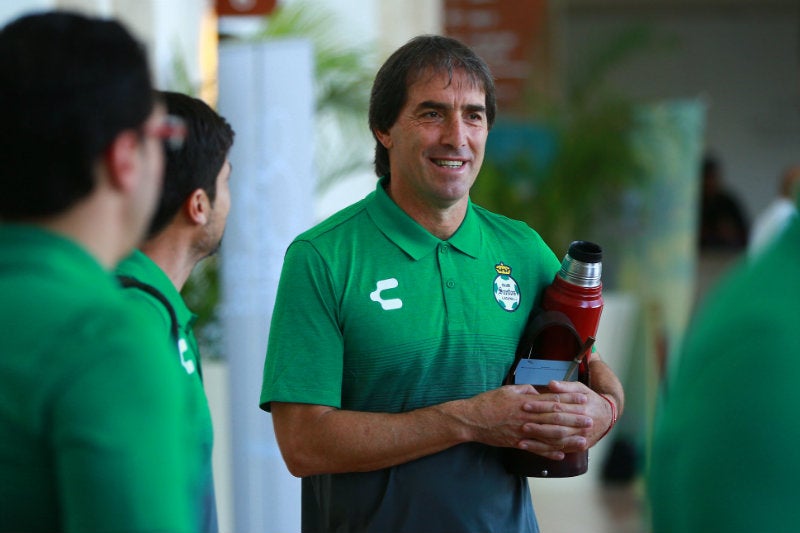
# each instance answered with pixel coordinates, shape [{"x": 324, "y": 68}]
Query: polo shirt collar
[
  {"x": 140, "y": 266},
  {"x": 411, "y": 237}
]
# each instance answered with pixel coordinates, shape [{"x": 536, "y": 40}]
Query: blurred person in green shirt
[
  {"x": 724, "y": 455},
  {"x": 91, "y": 412},
  {"x": 187, "y": 228}
]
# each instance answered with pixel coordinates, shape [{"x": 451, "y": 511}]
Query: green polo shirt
[
  {"x": 724, "y": 454},
  {"x": 374, "y": 313},
  {"x": 187, "y": 355},
  {"x": 91, "y": 416}
]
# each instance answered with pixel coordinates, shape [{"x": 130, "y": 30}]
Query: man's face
[
  {"x": 437, "y": 143},
  {"x": 219, "y": 211}
]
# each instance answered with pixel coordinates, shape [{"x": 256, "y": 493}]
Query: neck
[
  {"x": 97, "y": 226},
  {"x": 173, "y": 253},
  {"x": 442, "y": 221}
]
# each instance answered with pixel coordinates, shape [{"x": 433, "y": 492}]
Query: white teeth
[{"x": 446, "y": 163}]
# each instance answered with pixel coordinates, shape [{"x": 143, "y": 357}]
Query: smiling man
[{"x": 389, "y": 344}]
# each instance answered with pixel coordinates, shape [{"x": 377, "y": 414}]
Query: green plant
[{"x": 569, "y": 182}]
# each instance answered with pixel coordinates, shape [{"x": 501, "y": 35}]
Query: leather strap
[{"x": 541, "y": 321}]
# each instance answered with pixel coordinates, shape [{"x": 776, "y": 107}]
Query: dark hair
[
  {"x": 420, "y": 55},
  {"x": 69, "y": 84},
  {"x": 196, "y": 165}
]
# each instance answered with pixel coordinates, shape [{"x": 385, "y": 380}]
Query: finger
[
  {"x": 567, "y": 386},
  {"x": 554, "y": 451},
  {"x": 563, "y": 403},
  {"x": 556, "y": 426},
  {"x": 522, "y": 389},
  {"x": 563, "y": 397}
]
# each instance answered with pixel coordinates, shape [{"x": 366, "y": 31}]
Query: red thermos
[{"x": 555, "y": 338}]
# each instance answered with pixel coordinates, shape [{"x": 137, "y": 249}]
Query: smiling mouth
[{"x": 448, "y": 163}]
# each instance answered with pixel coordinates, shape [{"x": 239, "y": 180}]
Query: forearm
[
  {"x": 605, "y": 382},
  {"x": 317, "y": 439}
]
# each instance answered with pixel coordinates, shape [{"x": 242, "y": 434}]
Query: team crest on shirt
[{"x": 506, "y": 290}]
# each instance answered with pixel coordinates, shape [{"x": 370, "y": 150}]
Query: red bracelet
[{"x": 613, "y": 415}]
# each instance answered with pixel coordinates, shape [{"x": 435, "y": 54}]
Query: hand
[
  {"x": 517, "y": 416},
  {"x": 596, "y": 408}
]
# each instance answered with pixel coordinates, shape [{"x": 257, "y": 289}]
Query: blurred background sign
[
  {"x": 509, "y": 34},
  {"x": 245, "y": 7}
]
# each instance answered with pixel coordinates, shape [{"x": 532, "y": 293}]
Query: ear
[
  {"x": 121, "y": 161},
  {"x": 384, "y": 138},
  {"x": 198, "y": 207}
]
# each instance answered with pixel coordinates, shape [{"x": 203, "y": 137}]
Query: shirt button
[
  {"x": 450, "y": 283},
  {"x": 443, "y": 249}
]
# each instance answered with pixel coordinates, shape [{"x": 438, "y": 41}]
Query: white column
[{"x": 266, "y": 93}]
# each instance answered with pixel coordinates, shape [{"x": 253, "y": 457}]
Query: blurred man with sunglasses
[{"x": 92, "y": 413}]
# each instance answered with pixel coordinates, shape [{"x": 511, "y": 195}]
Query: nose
[{"x": 454, "y": 132}]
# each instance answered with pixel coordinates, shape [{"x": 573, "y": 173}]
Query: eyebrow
[{"x": 440, "y": 106}]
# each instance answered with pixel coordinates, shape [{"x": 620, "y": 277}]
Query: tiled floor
[{"x": 584, "y": 505}]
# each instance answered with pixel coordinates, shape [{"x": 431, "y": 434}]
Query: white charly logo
[
  {"x": 385, "y": 285},
  {"x": 182, "y": 349}
]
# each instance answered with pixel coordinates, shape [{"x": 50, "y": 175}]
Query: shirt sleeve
[{"x": 305, "y": 350}]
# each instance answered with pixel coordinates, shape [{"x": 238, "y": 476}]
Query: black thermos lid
[{"x": 585, "y": 251}]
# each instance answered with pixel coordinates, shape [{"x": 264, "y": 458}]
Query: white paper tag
[{"x": 541, "y": 371}]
